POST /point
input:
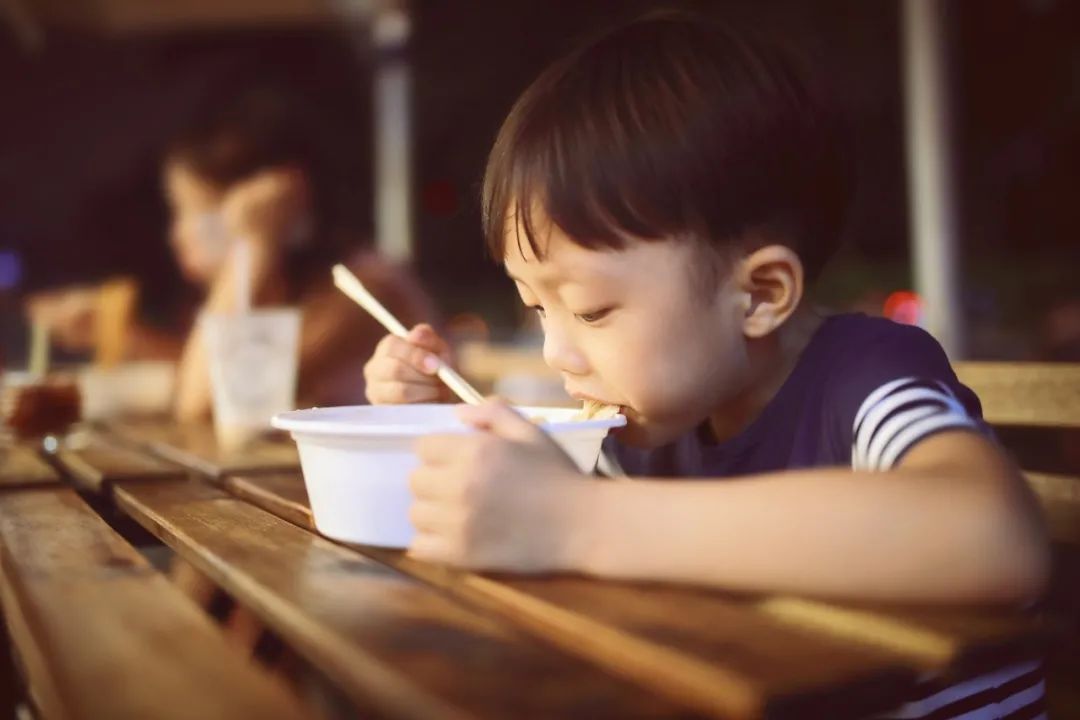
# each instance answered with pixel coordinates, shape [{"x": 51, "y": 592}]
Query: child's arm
[{"x": 952, "y": 523}]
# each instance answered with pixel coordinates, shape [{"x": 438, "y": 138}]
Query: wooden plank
[
  {"x": 21, "y": 466},
  {"x": 938, "y": 640},
  {"x": 1026, "y": 393},
  {"x": 282, "y": 494},
  {"x": 1035, "y": 395},
  {"x": 102, "y": 635},
  {"x": 756, "y": 665},
  {"x": 95, "y": 462},
  {"x": 391, "y": 643},
  {"x": 194, "y": 447}
]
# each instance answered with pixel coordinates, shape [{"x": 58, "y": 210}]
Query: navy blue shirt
[{"x": 896, "y": 375}]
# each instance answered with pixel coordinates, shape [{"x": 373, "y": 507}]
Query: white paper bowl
[{"x": 356, "y": 460}]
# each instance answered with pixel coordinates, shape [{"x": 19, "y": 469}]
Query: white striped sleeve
[{"x": 897, "y": 415}]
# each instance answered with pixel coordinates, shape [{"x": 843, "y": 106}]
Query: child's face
[{"x": 634, "y": 328}]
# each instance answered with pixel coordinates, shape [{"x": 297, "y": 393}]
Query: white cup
[
  {"x": 357, "y": 460},
  {"x": 253, "y": 360}
]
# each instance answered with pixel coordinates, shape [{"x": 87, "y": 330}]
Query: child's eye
[{"x": 595, "y": 316}]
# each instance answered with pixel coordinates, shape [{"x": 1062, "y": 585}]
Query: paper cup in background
[{"x": 253, "y": 360}]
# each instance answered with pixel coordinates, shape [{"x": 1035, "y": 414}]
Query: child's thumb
[{"x": 496, "y": 416}]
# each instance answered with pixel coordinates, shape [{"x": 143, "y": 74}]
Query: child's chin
[
  {"x": 648, "y": 432},
  {"x": 643, "y": 434}
]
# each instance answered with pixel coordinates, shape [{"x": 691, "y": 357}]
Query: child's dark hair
[
  {"x": 240, "y": 130},
  {"x": 236, "y": 133},
  {"x": 671, "y": 126}
]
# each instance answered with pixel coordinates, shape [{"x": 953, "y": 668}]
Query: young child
[{"x": 662, "y": 197}]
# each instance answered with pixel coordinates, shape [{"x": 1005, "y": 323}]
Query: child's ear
[{"x": 771, "y": 280}]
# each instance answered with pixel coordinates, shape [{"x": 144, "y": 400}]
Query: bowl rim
[{"x": 302, "y": 422}]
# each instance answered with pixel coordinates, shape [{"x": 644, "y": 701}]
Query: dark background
[{"x": 83, "y": 117}]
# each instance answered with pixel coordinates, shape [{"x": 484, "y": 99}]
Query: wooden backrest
[
  {"x": 1025, "y": 394},
  {"x": 1035, "y": 395}
]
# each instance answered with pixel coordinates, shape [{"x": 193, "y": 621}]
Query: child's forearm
[{"x": 831, "y": 532}]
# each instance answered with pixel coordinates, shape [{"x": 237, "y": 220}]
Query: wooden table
[{"x": 401, "y": 638}]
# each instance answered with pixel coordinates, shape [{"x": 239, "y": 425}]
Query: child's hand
[
  {"x": 403, "y": 371},
  {"x": 505, "y": 498},
  {"x": 268, "y": 206}
]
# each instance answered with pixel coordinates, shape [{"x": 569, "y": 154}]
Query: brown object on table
[
  {"x": 49, "y": 406},
  {"x": 101, "y": 634}
]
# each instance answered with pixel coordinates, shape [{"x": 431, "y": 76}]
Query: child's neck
[{"x": 771, "y": 361}]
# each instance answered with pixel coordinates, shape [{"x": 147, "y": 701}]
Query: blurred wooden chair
[
  {"x": 1042, "y": 396},
  {"x": 1044, "y": 399}
]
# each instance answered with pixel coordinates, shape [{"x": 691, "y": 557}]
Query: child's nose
[{"x": 561, "y": 353}]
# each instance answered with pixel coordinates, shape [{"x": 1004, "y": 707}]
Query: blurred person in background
[{"x": 249, "y": 166}]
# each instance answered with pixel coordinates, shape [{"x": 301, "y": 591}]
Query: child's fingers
[
  {"x": 384, "y": 369},
  {"x": 422, "y": 360},
  {"x": 400, "y": 393},
  {"x": 496, "y": 416},
  {"x": 424, "y": 336},
  {"x": 431, "y": 547},
  {"x": 429, "y": 517}
]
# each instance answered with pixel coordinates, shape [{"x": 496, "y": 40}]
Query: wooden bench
[{"x": 98, "y": 633}]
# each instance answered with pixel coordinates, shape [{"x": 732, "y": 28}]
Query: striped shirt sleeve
[
  {"x": 898, "y": 414},
  {"x": 1011, "y": 692}
]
